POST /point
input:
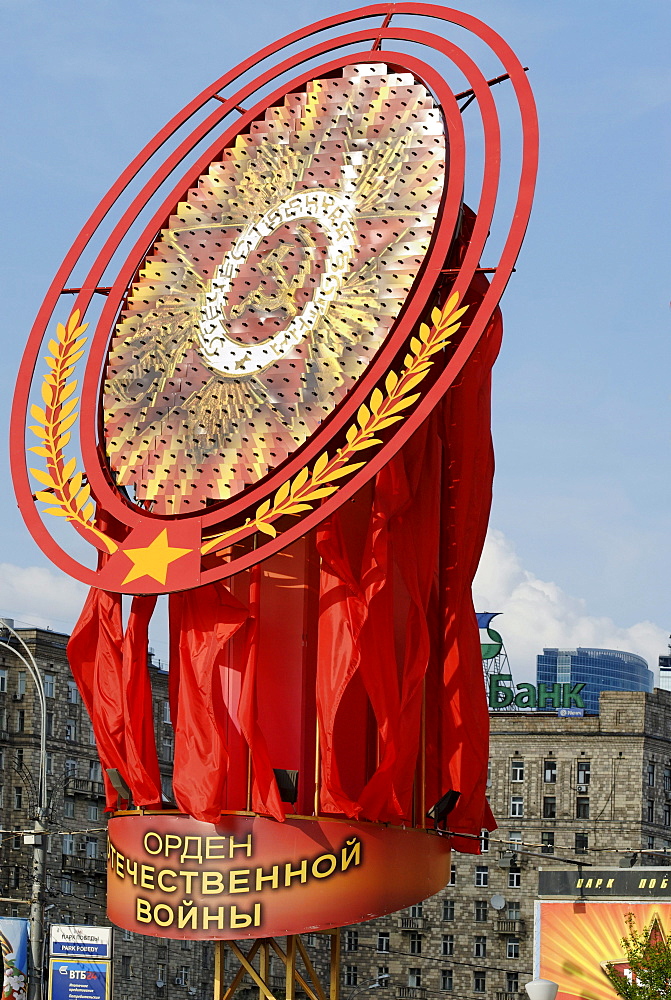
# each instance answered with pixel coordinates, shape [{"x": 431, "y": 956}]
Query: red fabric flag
[
  {"x": 468, "y": 471},
  {"x": 201, "y": 623},
  {"x": 94, "y": 654},
  {"x": 144, "y": 777},
  {"x": 408, "y": 492},
  {"x": 265, "y": 793}
]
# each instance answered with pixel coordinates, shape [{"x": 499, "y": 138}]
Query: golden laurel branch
[
  {"x": 302, "y": 492},
  {"x": 65, "y": 491}
]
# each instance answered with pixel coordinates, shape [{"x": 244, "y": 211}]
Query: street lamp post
[
  {"x": 541, "y": 989},
  {"x": 39, "y": 848},
  {"x": 373, "y": 984}
]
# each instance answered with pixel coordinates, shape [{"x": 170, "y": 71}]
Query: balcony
[
  {"x": 411, "y": 993},
  {"x": 502, "y": 926},
  {"x": 85, "y": 786},
  {"x": 412, "y": 923}
]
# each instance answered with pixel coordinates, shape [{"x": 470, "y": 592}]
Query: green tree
[{"x": 646, "y": 972}]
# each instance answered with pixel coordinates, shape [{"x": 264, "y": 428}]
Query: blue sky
[{"x": 580, "y": 546}]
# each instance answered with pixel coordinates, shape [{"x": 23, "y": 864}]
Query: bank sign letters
[
  {"x": 564, "y": 698},
  {"x": 80, "y": 963}
]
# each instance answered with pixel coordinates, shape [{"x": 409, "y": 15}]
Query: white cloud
[
  {"x": 36, "y": 595},
  {"x": 537, "y": 613}
]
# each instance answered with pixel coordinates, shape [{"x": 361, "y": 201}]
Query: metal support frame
[{"x": 255, "y": 963}]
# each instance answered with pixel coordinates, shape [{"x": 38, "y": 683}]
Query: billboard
[
  {"x": 575, "y": 938},
  {"x": 279, "y": 416},
  {"x": 14, "y": 945},
  {"x": 80, "y": 962}
]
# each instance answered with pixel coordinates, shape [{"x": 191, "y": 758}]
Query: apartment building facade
[
  {"x": 588, "y": 790},
  {"x": 145, "y": 968},
  {"x": 582, "y": 789}
]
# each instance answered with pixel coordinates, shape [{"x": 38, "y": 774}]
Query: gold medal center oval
[{"x": 275, "y": 282}]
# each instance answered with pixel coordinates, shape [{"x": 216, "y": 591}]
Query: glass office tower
[{"x": 598, "y": 669}]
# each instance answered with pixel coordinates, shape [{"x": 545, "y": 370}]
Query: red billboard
[{"x": 171, "y": 876}]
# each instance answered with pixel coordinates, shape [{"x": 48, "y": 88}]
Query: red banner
[{"x": 169, "y": 875}]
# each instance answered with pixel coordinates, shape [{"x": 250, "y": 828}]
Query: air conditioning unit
[
  {"x": 159, "y": 984},
  {"x": 583, "y": 789},
  {"x": 178, "y": 981}
]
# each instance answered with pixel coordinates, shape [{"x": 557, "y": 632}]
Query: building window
[
  {"x": 351, "y": 975},
  {"x": 453, "y": 875},
  {"x": 2, "y": 796},
  {"x": 68, "y": 844},
  {"x": 480, "y": 946},
  {"x": 383, "y": 976},
  {"x": 18, "y": 797},
  {"x": 383, "y": 940},
  {"x": 66, "y": 885},
  {"x": 515, "y": 837},
  {"x": 514, "y": 878},
  {"x": 3, "y": 681},
  {"x": 71, "y": 730},
  {"x": 517, "y": 770},
  {"x": 447, "y": 945},
  {"x": 72, "y": 694},
  {"x": 482, "y": 875},
  {"x": 183, "y": 974},
  {"x": 49, "y": 723},
  {"x": 50, "y": 762},
  {"x": 20, "y": 720},
  {"x": 582, "y": 807},
  {"x": 651, "y": 773},
  {"x": 584, "y": 769},
  {"x": 414, "y": 977},
  {"x": 21, "y": 683},
  {"x": 512, "y": 982},
  {"x": 479, "y": 982},
  {"x": 581, "y": 843},
  {"x": 416, "y": 910},
  {"x": 95, "y": 771},
  {"x": 166, "y": 713},
  {"x": 448, "y": 909},
  {"x": 168, "y": 748},
  {"x": 513, "y": 947},
  {"x": 547, "y": 842},
  {"x": 49, "y": 685},
  {"x": 160, "y": 974},
  {"x": 93, "y": 811},
  {"x": 480, "y": 910},
  {"x": 446, "y": 980},
  {"x": 351, "y": 940},
  {"x": 513, "y": 910},
  {"x": 517, "y": 806},
  {"x": 667, "y": 814},
  {"x": 91, "y": 847},
  {"x": 484, "y": 841},
  {"x": 651, "y": 843},
  {"x": 667, "y": 779},
  {"x": 19, "y": 758},
  {"x": 650, "y": 811},
  {"x": 415, "y": 943},
  {"x": 549, "y": 807},
  {"x": 70, "y": 768},
  {"x": 69, "y": 808}
]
